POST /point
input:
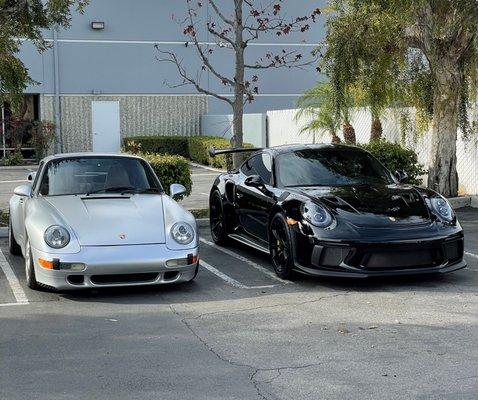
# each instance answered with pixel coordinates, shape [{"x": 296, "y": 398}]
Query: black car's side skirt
[{"x": 248, "y": 241}]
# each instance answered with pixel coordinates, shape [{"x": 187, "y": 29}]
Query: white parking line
[
  {"x": 229, "y": 280},
  {"x": 246, "y": 260},
  {"x": 471, "y": 255},
  {"x": 18, "y": 181},
  {"x": 17, "y": 290},
  {"x": 13, "y": 304},
  {"x": 204, "y": 174}
]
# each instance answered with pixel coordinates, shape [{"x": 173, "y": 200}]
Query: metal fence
[{"x": 283, "y": 128}]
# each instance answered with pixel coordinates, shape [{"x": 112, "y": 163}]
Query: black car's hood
[{"x": 373, "y": 205}]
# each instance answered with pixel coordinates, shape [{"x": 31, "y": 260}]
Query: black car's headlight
[
  {"x": 442, "y": 208},
  {"x": 317, "y": 215},
  {"x": 56, "y": 236},
  {"x": 182, "y": 233}
]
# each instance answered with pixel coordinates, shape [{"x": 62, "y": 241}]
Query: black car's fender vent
[
  {"x": 329, "y": 256},
  {"x": 454, "y": 250}
]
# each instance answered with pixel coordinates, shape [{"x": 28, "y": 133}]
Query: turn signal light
[
  {"x": 56, "y": 265},
  {"x": 45, "y": 263}
]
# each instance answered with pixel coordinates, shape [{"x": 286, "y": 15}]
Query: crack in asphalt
[
  {"x": 252, "y": 376},
  {"x": 239, "y": 310}
]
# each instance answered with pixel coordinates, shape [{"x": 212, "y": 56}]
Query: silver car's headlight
[
  {"x": 56, "y": 236},
  {"x": 317, "y": 215},
  {"x": 182, "y": 233},
  {"x": 442, "y": 208}
]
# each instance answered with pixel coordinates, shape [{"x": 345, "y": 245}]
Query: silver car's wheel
[
  {"x": 30, "y": 268},
  {"x": 13, "y": 246}
]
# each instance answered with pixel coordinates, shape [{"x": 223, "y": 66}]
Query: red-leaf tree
[{"x": 234, "y": 31}]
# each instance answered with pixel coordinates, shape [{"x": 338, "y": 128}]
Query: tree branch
[
  {"x": 221, "y": 15},
  {"x": 172, "y": 58},
  {"x": 220, "y": 35},
  {"x": 283, "y": 62},
  {"x": 200, "y": 51}
]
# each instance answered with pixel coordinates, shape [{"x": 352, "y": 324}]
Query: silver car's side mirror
[
  {"x": 23, "y": 190},
  {"x": 176, "y": 190},
  {"x": 31, "y": 176}
]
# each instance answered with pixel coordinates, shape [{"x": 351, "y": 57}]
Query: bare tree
[{"x": 234, "y": 31}]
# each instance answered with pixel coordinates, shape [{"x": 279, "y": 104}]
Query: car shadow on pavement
[{"x": 209, "y": 289}]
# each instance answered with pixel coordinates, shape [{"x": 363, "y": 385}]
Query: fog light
[
  {"x": 73, "y": 266},
  {"x": 177, "y": 262},
  {"x": 182, "y": 262}
]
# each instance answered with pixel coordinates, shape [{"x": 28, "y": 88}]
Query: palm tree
[{"x": 317, "y": 104}]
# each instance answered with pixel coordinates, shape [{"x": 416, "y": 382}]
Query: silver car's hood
[{"x": 113, "y": 220}]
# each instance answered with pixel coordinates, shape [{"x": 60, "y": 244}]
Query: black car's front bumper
[{"x": 364, "y": 259}]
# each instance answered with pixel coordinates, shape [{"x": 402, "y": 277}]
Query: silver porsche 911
[{"x": 95, "y": 220}]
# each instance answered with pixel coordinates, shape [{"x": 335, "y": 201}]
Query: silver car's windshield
[{"x": 90, "y": 175}]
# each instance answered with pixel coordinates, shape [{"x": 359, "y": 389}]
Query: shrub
[
  {"x": 193, "y": 147},
  {"x": 175, "y": 145},
  {"x": 42, "y": 137},
  {"x": 395, "y": 157},
  {"x": 170, "y": 169},
  {"x": 199, "y": 151},
  {"x": 13, "y": 159}
]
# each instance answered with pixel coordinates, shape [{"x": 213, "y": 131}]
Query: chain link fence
[{"x": 284, "y": 128}]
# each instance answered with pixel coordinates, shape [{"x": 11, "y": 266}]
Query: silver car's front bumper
[{"x": 113, "y": 266}]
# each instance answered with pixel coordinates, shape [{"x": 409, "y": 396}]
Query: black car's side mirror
[
  {"x": 254, "y": 181},
  {"x": 401, "y": 176}
]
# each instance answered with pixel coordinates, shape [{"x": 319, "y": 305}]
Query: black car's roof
[{"x": 288, "y": 148}]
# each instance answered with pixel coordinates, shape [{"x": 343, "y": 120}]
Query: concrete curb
[
  {"x": 464, "y": 201},
  {"x": 206, "y": 167},
  {"x": 202, "y": 222}
]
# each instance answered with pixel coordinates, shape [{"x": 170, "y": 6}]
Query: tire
[
  {"x": 217, "y": 221},
  {"x": 13, "y": 246},
  {"x": 30, "y": 268},
  {"x": 280, "y": 245},
  {"x": 196, "y": 271}
]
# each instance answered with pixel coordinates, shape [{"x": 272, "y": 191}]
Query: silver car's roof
[{"x": 87, "y": 154}]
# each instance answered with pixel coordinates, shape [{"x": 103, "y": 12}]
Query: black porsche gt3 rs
[{"x": 334, "y": 210}]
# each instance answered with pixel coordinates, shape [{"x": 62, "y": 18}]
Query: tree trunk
[
  {"x": 442, "y": 174},
  {"x": 349, "y": 133},
  {"x": 376, "y": 131},
  {"x": 335, "y": 139},
  {"x": 237, "y": 128},
  {"x": 239, "y": 88}
]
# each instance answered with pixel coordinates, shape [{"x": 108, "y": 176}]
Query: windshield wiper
[
  {"x": 141, "y": 191},
  {"x": 121, "y": 189}
]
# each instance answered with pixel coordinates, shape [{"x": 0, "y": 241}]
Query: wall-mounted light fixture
[{"x": 97, "y": 25}]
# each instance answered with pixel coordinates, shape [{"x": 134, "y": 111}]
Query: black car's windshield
[
  {"x": 330, "y": 167},
  {"x": 89, "y": 175}
]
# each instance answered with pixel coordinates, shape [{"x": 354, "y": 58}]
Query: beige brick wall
[{"x": 139, "y": 115}]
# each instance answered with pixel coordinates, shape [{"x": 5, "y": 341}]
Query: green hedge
[
  {"x": 170, "y": 169},
  {"x": 199, "y": 151},
  {"x": 396, "y": 157},
  {"x": 175, "y": 145},
  {"x": 194, "y": 147}
]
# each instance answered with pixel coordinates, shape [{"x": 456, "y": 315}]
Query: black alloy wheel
[
  {"x": 281, "y": 247},
  {"x": 217, "y": 219}
]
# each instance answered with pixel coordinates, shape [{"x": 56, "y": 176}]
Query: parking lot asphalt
[
  {"x": 11, "y": 177},
  {"x": 237, "y": 332}
]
